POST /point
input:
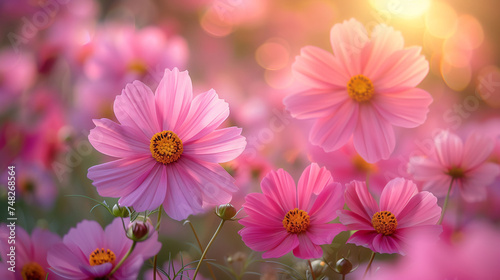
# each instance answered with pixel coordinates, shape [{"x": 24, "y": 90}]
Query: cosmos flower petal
[
  {"x": 363, "y": 238},
  {"x": 114, "y": 140},
  {"x": 473, "y": 188},
  {"x": 422, "y": 209},
  {"x": 62, "y": 261},
  {"x": 312, "y": 181},
  {"x": 477, "y": 149},
  {"x": 135, "y": 108},
  {"x": 280, "y": 187},
  {"x": 403, "y": 69},
  {"x": 355, "y": 221},
  {"x": 374, "y": 136},
  {"x": 335, "y": 130},
  {"x": 264, "y": 210},
  {"x": 359, "y": 200},
  {"x": 150, "y": 192},
  {"x": 122, "y": 172},
  {"x": 319, "y": 68},
  {"x": 386, "y": 244},
  {"x": 173, "y": 97},
  {"x": 96, "y": 271},
  {"x": 325, "y": 203},
  {"x": 323, "y": 233},
  {"x": 207, "y": 112},
  {"x": 314, "y": 103},
  {"x": 432, "y": 173},
  {"x": 449, "y": 149},
  {"x": 290, "y": 241},
  {"x": 396, "y": 195},
  {"x": 221, "y": 145},
  {"x": 407, "y": 108},
  {"x": 86, "y": 236},
  {"x": 347, "y": 40},
  {"x": 307, "y": 249},
  {"x": 384, "y": 42}
]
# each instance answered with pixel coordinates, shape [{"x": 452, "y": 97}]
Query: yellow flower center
[
  {"x": 33, "y": 271},
  {"x": 296, "y": 221},
  {"x": 166, "y": 147},
  {"x": 99, "y": 256},
  {"x": 361, "y": 165},
  {"x": 360, "y": 88},
  {"x": 384, "y": 222},
  {"x": 138, "y": 67},
  {"x": 456, "y": 172}
]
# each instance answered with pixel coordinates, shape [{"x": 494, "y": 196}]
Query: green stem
[
  {"x": 369, "y": 264},
  {"x": 312, "y": 271},
  {"x": 123, "y": 259},
  {"x": 208, "y": 247},
  {"x": 201, "y": 248},
  {"x": 157, "y": 228},
  {"x": 445, "y": 203}
]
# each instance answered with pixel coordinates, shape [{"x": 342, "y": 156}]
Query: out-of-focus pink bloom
[
  {"x": 168, "y": 147},
  {"x": 89, "y": 252},
  {"x": 452, "y": 160},
  {"x": 17, "y": 74},
  {"x": 286, "y": 217},
  {"x": 347, "y": 165},
  {"x": 30, "y": 254},
  {"x": 387, "y": 227},
  {"x": 470, "y": 254},
  {"x": 361, "y": 91}
]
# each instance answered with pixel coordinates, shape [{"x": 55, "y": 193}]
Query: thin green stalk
[
  {"x": 157, "y": 228},
  {"x": 208, "y": 247},
  {"x": 369, "y": 264},
  {"x": 445, "y": 203},
  {"x": 123, "y": 259},
  {"x": 201, "y": 248},
  {"x": 312, "y": 271}
]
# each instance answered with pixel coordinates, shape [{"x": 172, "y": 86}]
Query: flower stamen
[
  {"x": 456, "y": 173},
  {"x": 296, "y": 221},
  {"x": 384, "y": 222},
  {"x": 360, "y": 88},
  {"x": 166, "y": 147},
  {"x": 100, "y": 256},
  {"x": 33, "y": 271}
]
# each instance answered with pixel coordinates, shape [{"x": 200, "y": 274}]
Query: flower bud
[
  {"x": 343, "y": 266},
  {"x": 120, "y": 211},
  {"x": 140, "y": 229},
  {"x": 318, "y": 267},
  {"x": 226, "y": 211}
]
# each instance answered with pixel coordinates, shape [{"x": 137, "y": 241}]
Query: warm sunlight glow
[{"x": 402, "y": 8}]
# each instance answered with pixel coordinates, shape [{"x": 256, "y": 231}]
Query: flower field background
[{"x": 357, "y": 139}]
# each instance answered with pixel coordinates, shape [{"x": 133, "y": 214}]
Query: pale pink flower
[
  {"x": 168, "y": 148},
  {"x": 402, "y": 213},
  {"x": 89, "y": 252},
  {"x": 286, "y": 218},
  {"x": 453, "y": 160},
  {"x": 29, "y": 258},
  {"x": 361, "y": 91}
]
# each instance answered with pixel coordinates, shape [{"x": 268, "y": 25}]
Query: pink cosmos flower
[
  {"x": 30, "y": 255},
  {"x": 464, "y": 164},
  {"x": 89, "y": 252},
  {"x": 402, "y": 213},
  {"x": 168, "y": 148},
  {"x": 286, "y": 218},
  {"x": 364, "y": 89}
]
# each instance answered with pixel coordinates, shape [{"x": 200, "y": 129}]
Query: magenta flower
[
  {"x": 284, "y": 217},
  {"x": 364, "y": 89},
  {"x": 89, "y": 252},
  {"x": 452, "y": 160},
  {"x": 168, "y": 148},
  {"x": 30, "y": 254},
  {"x": 403, "y": 212}
]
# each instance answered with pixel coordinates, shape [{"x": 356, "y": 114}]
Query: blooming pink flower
[
  {"x": 364, "y": 89},
  {"x": 30, "y": 255},
  {"x": 452, "y": 160},
  {"x": 284, "y": 217},
  {"x": 168, "y": 148},
  {"x": 403, "y": 212},
  {"x": 89, "y": 252}
]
